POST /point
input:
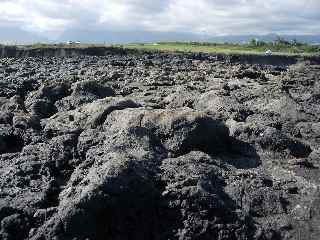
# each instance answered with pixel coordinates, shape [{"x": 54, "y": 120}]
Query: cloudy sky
[{"x": 50, "y": 18}]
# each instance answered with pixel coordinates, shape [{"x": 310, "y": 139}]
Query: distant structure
[
  {"x": 268, "y": 52},
  {"x": 72, "y": 42}
]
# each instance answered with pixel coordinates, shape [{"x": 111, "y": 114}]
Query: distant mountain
[
  {"x": 18, "y": 36},
  {"x": 126, "y": 37},
  {"x": 145, "y": 36},
  {"x": 269, "y": 37}
]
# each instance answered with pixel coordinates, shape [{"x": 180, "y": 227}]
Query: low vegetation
[{"x": 279, "y": 46}]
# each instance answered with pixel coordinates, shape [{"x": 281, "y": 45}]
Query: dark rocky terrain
[{"x": 159, "y": 146}]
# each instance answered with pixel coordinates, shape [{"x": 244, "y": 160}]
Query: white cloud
[{"x": 218, "y": 17}]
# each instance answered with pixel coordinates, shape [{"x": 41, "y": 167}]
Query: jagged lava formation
[{"x": 143, "y": 146}]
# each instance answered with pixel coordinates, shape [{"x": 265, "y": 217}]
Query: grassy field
[
  {"x": 286, "y": 49},
  {"x": 277, "y": 48}
]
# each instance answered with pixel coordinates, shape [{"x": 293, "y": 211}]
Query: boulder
[
  {"x": 273, "y": 140},
  {"x": 216, "y": 104},
  {"x": 88, "y": 116},
  {"x": 180, "y": 131},
  {"x": 84, "y": 92}
]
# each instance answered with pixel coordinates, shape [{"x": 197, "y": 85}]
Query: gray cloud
[{"x": 217, "y": 17}]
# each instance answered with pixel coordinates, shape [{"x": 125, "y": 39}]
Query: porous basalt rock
[{"x": 142, "y": 146}]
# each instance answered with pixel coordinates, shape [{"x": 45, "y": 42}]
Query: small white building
[
  {"x": 73, "y": 42},
  {"x": 268, "y": 52}
]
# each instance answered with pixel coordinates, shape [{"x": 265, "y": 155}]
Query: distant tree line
[{"x": 279, "y": 41}]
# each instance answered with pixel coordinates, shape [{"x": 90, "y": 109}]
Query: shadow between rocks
[
  {"x": 11, "y": 144},
  {"x": 241, "y": 154}
]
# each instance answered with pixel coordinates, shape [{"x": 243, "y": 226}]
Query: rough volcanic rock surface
[{"x": 146, "y": 146}]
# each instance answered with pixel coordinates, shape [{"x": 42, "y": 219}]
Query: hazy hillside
[
  {"x": 144, "y": 36},
  {"x": 268, "y": 38},
  {"x": 126, "y": 37},
  {"x": 15, "y": 36}
]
